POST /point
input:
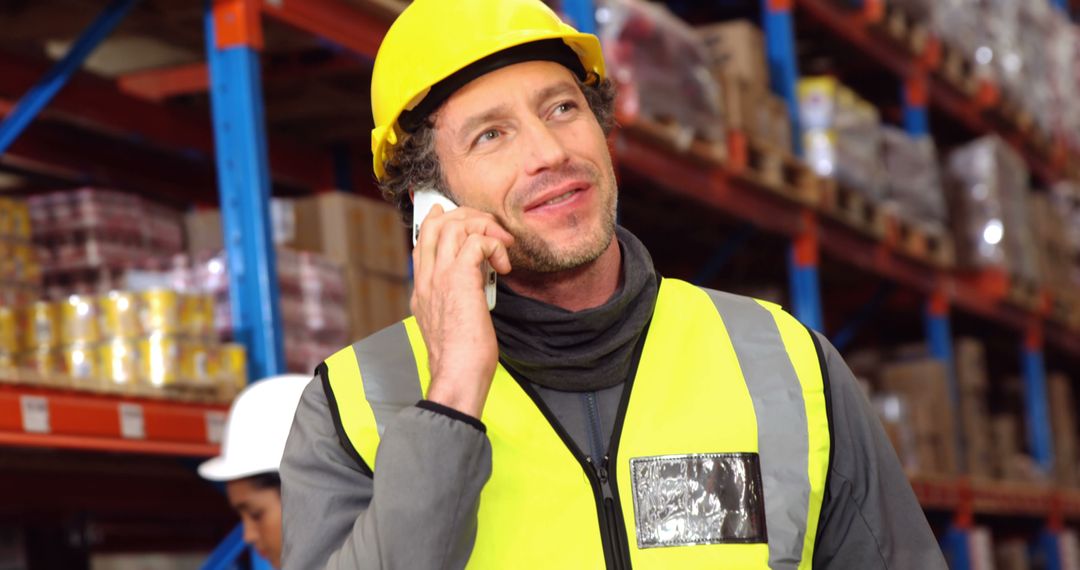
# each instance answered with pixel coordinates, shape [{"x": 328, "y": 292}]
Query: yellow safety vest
[{"x": 719, "y": 458}]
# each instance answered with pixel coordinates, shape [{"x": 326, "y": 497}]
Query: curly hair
[{"x": 415, "y": 164}]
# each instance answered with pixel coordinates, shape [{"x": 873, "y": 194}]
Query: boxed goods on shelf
[
  {"x": 1012, "y": 554},
  {"x": 970, "y": 362},
  {"x": 912, "y": 179},
  {"x": 988, "y": 185},
  {"x": 313, "y": 291},
  {"x": 376, "y": 301},
  {"x": 923, "y": 383},
  {"x": 83, "y": 234},
  {"x": 1063, "y": 425},
  {"x": 736, "y": 58},
  {"x": 1056, "y": 257},
  {"x": 896, "y": 415},
  {"x": 660, "y": 66},
  {"x": 353, "y": 231},
  {"x": 841, "y": 136}
]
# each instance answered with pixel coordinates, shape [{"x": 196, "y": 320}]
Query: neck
[{"x": 584, "y": 287}]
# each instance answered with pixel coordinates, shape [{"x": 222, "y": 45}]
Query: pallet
[
  {"x": 852, "y": 208},
  {"x": 903, "y": 29},
  {"x": 781, "y": 173},
  {"x": 1025, "y": 293},
  {"x": 680, "y": 139},
  {"x": 925, "y": 242},
  {"x": 958, "y": 70}
]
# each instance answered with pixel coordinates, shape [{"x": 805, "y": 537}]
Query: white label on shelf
[
  {"x": 215, "y": 426},
  {"x": 35, "y": 414},
  {"x": 132, "y": 425}
]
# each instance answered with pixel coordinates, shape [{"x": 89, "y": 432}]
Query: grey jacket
[{"x": 433, "y": 463}]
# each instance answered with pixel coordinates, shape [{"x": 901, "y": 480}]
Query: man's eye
[
  {"x": 488, "y": 135},
  {"x": 565, "y": 107}
]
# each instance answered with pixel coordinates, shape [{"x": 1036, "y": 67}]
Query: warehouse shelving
[
  {"x": 250, "y": 162},
  {"x": 66, "y": 419}
]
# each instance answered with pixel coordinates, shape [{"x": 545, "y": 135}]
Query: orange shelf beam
[{"x": 65, "y": 419}]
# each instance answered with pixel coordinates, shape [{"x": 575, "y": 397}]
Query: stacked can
[
  {"x": 118, "y": 351},
  {"x": 78, "y": 341},
  {"x": 38, "y": 354},
  {"x": 159, "y": 345},
  {"x": 9, "y": 341}
]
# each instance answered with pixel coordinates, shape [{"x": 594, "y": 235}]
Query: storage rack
[{"x": 246, "y": 170}]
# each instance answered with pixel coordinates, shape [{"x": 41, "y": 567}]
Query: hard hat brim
[{"x": 220, "y": 470}]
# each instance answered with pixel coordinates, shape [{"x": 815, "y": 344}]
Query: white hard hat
[{"x": 256, "y": 430}]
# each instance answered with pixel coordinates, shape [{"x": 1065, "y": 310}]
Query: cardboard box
[
  {"x": 924, "y": 383},
  {"x": 1006, "y": 444},
  {"x": 737, "y": 48},
  {"x": 1012, "y": 555},
  {"x": 353, "y": 231},
  {"x": 975, "y": 428},
  {"x": 376, "y": 301},
  {"x": 204, "y": 231},
  {"x": 1063, "y": 426},
  {"x": 971, "y": 364}
]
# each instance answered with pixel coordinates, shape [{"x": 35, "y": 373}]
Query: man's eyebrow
[
  {"x": 553, "y": 90},
  {"x": 486, "y": 116}
]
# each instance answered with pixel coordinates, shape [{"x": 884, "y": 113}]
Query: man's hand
[{"x": 449, "y": 304}]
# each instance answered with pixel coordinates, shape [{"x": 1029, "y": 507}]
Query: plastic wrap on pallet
[
  {"x": 913, "y": 180},
  {"x": 842, "y": 136},
  {"x": 660, "y": 66},
  {"x": 990, "y": 193},
  {"x": 1065, "y": 199}
]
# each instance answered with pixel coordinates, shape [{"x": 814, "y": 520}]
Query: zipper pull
[{"x": 602, "y": 470}]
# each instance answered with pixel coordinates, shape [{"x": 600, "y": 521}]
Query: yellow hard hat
[{"x": 433, "y": 40}]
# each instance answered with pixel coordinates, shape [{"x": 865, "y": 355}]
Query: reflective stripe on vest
[{"x": 710, "y": 360}]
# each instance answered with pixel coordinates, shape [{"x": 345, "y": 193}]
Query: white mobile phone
[{"x": 423, "y": 200}]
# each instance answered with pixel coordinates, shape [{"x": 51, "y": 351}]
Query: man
[{"x": 599, "y": 416}]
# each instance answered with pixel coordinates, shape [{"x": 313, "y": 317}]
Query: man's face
[{"x": 521, "y": 143}]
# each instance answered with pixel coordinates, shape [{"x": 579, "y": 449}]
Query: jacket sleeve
[
  {"x": 870, "y": 518},
  {"x": 431, "y": 469}
]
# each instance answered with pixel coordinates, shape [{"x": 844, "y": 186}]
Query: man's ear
[{"x": 411, "y": 194}]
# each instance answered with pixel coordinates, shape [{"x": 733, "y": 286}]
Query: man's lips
[{"x": 558, "y": 194}]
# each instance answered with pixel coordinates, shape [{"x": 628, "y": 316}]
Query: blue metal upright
[
  {"x": 1062, "y": 5},
  {"x": 228, "y": 553},
  {"x": 38, "y": 97},
  {"x": 1048, "y": 551},
  {"x": 913, "y": 97},
  {"x": 1037, "y": 416},
  {"x": 779, "y": 28},
  {"x": 956, "y": 545},
  {"x": 244, "y": 185},
  {"x": 803, "y": 276},
  {"x": 582, "y": 13}
]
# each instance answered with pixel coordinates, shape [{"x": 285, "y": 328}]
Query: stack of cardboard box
[
  {"x": 923, "y": 383},
  {"x": 368, "y": 238},
  {"x": 736, "y": 52},
  {"x": 1008, "y": 460},
  {"x": 1063, "y": 425},
  {"x": 974, "y": 413}
]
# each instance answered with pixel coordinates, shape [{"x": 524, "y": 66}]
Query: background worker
[
  {"x": 599, "y": 416},
  {"x": 254, "y": 438}
]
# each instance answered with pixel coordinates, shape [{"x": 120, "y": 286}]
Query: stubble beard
[{"x": 532, "y": 253}]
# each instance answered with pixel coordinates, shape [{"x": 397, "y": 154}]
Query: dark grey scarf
[{"x": 585, "y": 350}]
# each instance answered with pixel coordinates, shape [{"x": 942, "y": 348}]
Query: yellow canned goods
[
  {"x": 19, "y": 219},
  {"x": 9, "y": 330},
  {"x": 44, "y": 362},
  {"x": 41, "y": 326},
  {"x": 119, "y": 315},
  {"x": 78, "y": 320},
  {"x": 197, "y": 315},
  {"x": 233, "y": 365},
  {"x": 198, "y": 362},
  {"x": 159, "y": 359},
  {"x": 81, "y": 363},
  {"x": 119, "y": 359},
  {"x": 159, "y": 311},
  {"x": 7, "y": 365}
]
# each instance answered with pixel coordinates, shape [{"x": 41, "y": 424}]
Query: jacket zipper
[{"x": 595, "y": 431}]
